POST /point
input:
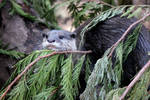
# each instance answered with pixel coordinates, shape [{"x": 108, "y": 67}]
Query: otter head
[{"x": 59, "y": 40}]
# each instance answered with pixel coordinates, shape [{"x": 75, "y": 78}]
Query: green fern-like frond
[
  {"x": 123, "y": 50},
  {"x": 96, "y": 77},
  {"x": 115, "y": 94},
  {"x": 67, "y": 89},
  {"x": 134, "y": 10},
  {"x": 55, "y": 77},
  {"x": 46, "y": 94},
  {"x": 18, "y": 93},
  {"x": 131, "y": 41},
  {"x": 118, "y": 66},
  {"x": 12, "y": 53},
  {"x": 76, "y": 73},
  {"x": 139, "y": 91},
  {"x": 87, "y": 68}
]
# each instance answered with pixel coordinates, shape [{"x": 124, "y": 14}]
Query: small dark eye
[
  {"x": 72, "y": 35},
  {"x": 45, "y": 35},
  {"x": 61, "y": 37}
]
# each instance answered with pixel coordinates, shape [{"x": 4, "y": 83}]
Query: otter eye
[
  {"x": 72, "y": 35},
  {"x": 45, "y": 35},
  {"x": 61, "y": 37}
]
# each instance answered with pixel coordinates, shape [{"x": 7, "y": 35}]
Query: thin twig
[
  {"x": 145, "y": 67},
  {"x": 107, "y": 4},
  {"x": 104, "y": 3},
  {"x": 32, "y": 63},
  {"x": 126, "y": 32}
]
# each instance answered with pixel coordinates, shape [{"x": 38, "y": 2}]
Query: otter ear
[{"x": 73, "y": 35}]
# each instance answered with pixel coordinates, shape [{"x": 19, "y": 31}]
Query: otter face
[{"x": 59, "y": 40}]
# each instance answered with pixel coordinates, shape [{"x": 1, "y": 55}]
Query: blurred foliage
[
  {"x": 2, "y": 3},
  {"x": 84, "y": 11},
  {"x": 18, "y": 9},
  {"x": 80, "y": 10},
  {"x": 46, "y": 11},
  {"x": 40, "y": 11},
  {"x": 12, "y": 53},
  {"x": 118, "y": 2}
]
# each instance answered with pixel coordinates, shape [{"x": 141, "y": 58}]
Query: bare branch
[
  {"x": 107, "y": 4},
  {"x": 126, "y": 32},
  {"x": 102, "y": 2},
  {"x": 145, "y": 67},
  {"x": 32, "y": 63}
]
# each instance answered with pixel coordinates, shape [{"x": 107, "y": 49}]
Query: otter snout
[{"x": 51, "y": 41}]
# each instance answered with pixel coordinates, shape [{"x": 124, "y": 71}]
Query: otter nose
[{"x": 50, "y": 41}]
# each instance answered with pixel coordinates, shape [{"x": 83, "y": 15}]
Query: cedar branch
[{"x": 32, "y": 63}]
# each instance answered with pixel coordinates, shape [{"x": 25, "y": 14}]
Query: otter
[{"x": 100, "y": 38}]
